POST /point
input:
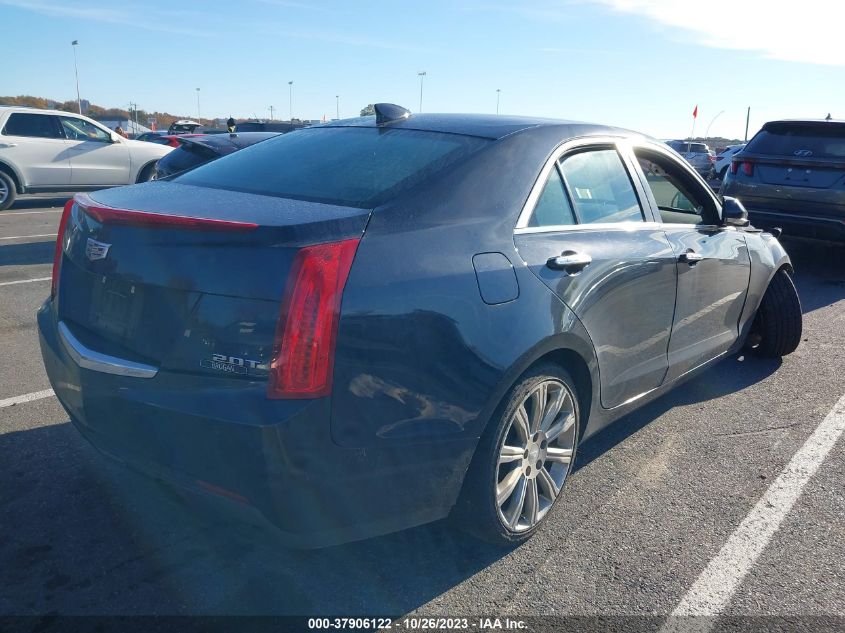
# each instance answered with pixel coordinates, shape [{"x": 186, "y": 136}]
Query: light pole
[
  {"x": 498, "y": 92},
  {"x": 74, "y": 44},
  {"x": 707, "y": 131},
  {"x": 199, "y": 116},
  {"x": 337, "y": 101},
  {"x": 271, "y": 113},
  {"x": 421, "y": 75},
  {"x": 290, "y": 100}
]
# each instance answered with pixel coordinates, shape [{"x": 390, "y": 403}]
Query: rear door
[
  {"x": 33, "y": 142},
  {"x": 94, "y": 157},
  {"x": 585, "y": 234},
  {"x": 713, "y": 264}
]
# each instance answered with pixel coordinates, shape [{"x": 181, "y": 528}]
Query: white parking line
[
  {"x": 23, "y": 237},
  {"x": 27, "y": 397},
  {"x": 713, "y": 589},
  {"x": 24, "y": 281}
]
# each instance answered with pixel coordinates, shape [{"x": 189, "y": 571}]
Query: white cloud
[
  {"x": 808, "y": 31},
  {"x": 89, "y": 13}
]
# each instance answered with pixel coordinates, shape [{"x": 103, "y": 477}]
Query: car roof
[
  {"x": 489, "y": 126},
  {"x": 805, "y": 122},
  {"x": 39, "y": 110}
]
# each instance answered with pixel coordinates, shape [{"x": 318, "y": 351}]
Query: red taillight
[
  {"x": 305, "y": 335},
  {"x": 747, "y": 167},
  {"x": 127, "y": 217},
  {"x": 57, "y": 254}
]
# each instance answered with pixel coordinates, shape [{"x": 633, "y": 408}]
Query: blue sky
[{"x": 642, "y": 64}]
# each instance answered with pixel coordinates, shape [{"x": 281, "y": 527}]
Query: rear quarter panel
[{"x": 420, "y": 356}]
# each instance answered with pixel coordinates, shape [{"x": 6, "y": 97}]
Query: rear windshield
[
  {"x": 805, "y": 141},
  {"x": 685, "y": 148},
  {"x": 347, "y": 166}
]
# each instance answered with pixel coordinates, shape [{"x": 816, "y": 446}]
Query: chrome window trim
[
  {"x": 599, "y": 226},
  {"x": 622, "y": 146},
  {"x": 95, "y": 361}
]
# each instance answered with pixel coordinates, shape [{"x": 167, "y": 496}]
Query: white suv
[{"x": 48, "y": 150}]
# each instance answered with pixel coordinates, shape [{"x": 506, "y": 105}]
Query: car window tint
[
  {"x": 679, "y": 197},
  {"x": 552, "y": 208},
  {"x": 350, "y": 166},
  {"x": 600, "y": 187},
  {"x": 81, "y": 130},
  {"x": 36, "y": 125}
]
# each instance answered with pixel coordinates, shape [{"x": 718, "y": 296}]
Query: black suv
[{"x": 792, "y": 175}]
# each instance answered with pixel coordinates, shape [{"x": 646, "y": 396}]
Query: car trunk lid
[{"x": 188, "y": 278}]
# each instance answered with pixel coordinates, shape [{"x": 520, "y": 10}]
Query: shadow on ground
[
  {"x": 39, "y": 202},
  {"x": 28, "y": 253}
]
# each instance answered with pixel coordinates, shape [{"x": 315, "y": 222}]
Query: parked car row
[
  {"x": 49, "y": 151},
  {"x": 699, "y": 155}
]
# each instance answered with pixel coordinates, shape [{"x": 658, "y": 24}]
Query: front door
[
  {"x": 591, "y": 242},
  {"x": 712, "y": 260},
  {"x": 95, "y": 159}
]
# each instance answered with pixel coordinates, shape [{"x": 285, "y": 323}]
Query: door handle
[
  {"x": 570, "y": 261},
  {"x": 8, "y": 144},
  {"x": 690, "y": 257}
]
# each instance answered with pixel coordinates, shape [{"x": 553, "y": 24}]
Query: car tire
[
  {"x": 777, "y": 326},
  {"x": 485, "y": 509},
  {"x": 147, "y": 173},
  {"x": 8, "y": 192}
]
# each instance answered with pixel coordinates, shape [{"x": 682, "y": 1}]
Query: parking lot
[{"x": 652, "y": 504}]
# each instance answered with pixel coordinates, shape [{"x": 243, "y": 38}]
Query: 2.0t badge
[{"x": 230, "y": 364}]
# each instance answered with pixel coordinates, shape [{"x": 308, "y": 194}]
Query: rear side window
[
  {"x": 600, "y": 187},
  {"x": 805, "y": 141},
  {"x": 36, "y": 125},
  {"x": 185, "y": 157},
  {"x": 552, "y": 208},
  {"x": 357, "y": 167}
]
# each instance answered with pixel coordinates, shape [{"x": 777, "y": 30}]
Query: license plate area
[{"x": 116, "y": 306}]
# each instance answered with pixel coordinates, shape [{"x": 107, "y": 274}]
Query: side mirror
[
  {"x": 115, "y": 137},
  {"x": 733, "y": 213}
]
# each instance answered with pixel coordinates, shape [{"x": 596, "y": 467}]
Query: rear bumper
[
  {"x": 275, "y": 457},
  {"x": 799, "y": 225}
]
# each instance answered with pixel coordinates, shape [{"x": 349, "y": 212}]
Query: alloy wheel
[
  {"x": 4, "y": 191},
  {"x": 536, "y": 455}
]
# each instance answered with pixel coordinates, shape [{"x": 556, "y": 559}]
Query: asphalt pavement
[{"x": 653, "y": 501}]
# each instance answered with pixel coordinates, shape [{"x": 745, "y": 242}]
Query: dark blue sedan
[{"x": 368, "y": 325}]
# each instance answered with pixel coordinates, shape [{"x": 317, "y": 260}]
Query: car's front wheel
[
  {"x": 523, "y": 460},
  {"x": 777, "y": 327},
  {"x": 7, "y": 191}
]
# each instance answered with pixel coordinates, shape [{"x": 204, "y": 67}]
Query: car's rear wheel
[
  {"x": 7, "y": 191},
  {"x": 522, "y": 462},
  {"x": 777, "y": 327}
]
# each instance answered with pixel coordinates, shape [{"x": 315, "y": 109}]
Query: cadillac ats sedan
[{"x": 380, "y": 322}]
